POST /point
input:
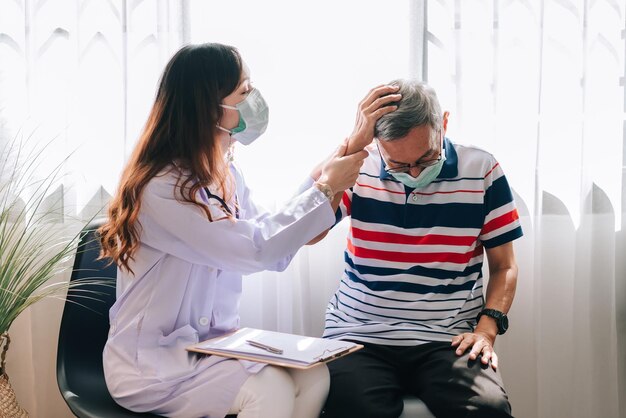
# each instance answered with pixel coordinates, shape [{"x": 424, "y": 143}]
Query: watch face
[
  {"x": 501, "y": 319},
  {"x": 503, "y": 324}
]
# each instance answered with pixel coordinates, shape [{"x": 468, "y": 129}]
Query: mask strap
[{"x": 228, "y": 131}]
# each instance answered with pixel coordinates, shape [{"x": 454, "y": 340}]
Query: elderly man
[{"x": 422, "y": 213}]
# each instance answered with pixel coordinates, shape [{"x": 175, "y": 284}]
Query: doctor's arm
[
  {"x": 267, "y": 242},
  {"x": 370, "y": 109}
]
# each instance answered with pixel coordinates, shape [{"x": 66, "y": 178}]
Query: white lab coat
[{"x": 186, "y": 288}]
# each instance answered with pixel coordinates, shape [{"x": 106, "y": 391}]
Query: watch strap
[
  {"x": 325, "y": 189},
  {"x": 497, "y": 315}
]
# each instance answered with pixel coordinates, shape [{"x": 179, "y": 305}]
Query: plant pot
[{"x": 9, "y": 408}]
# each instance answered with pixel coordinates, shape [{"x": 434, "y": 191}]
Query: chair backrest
[
  {"x": 85, "y": 322},
  {"x": 83, "y": 333}
]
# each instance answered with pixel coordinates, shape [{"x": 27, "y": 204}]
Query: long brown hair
[{"x": 180, "y": 129}]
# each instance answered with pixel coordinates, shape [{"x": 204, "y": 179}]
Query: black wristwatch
[{"x": 502, "y": 321}]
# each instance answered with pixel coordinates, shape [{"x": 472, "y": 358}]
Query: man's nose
[{"x": 415, "y": 171}]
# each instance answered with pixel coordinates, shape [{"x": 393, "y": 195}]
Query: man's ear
[{"x": 445, "y": 121}]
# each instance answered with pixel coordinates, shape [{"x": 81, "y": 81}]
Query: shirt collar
[{"x": 448, "y": 171}]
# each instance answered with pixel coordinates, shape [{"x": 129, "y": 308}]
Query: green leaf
[{"x": 35, "y": 249}]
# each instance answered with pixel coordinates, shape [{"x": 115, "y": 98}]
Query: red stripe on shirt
[
  {"x": 394, "y": 238},
  {"x": 347, "y": 203},
  {"x": 451, "y": 191},
  {"x": 417, "y": 258},
  {"x": 378, "y": 188},
  {"x": 492, "y": 168},
  {"x": 500, "y": 221}
]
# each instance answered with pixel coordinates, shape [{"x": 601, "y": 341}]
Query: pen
[{"x": 265, "y": 347}]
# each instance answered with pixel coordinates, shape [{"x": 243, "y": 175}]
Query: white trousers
[{"x": 278, "y": 392}]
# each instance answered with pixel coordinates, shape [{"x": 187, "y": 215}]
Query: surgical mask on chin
[
  {"x": 253, "y": 118},
  {"x": 424, "y": 178}
]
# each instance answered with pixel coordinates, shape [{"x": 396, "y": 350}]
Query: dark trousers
[{"x": 372, "y": 381}]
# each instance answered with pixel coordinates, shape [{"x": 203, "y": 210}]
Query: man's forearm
[
  {"x": 355, "y": 145},
  {"x": 500, "y": 294},
  {"x": 501, "y": 289}
]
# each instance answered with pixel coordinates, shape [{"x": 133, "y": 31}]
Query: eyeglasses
[{"x": 405, "y": 168}]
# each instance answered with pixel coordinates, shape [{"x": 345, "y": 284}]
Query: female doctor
[{"x": 182, "y": 230}]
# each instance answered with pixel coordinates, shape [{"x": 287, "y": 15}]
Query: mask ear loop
[
  {"x": 217, "y": 125},
  {"x": 230, "y": 153}
]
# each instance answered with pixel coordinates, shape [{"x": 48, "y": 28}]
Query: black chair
[{"x": 83, "y": 333}]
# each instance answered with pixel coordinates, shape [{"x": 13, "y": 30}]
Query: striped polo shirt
[{"x": 414, "y": 257}]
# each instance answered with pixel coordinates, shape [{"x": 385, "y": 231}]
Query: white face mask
[
  {"x": 424, "y": 178},
  {"x": 253, "y": 118}
]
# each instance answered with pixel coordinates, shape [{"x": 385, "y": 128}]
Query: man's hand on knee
[{"x": 481, "y": 344}]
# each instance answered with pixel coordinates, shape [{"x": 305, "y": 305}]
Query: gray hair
[{"x": 419, "y": 105}]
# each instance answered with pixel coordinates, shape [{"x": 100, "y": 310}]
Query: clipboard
[{"x": 281, "y": 349}]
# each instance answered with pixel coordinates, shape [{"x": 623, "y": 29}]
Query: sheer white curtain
[
  {"x": 85, "y": 73},
  {"x": 82, "y": 73},
  {"x": 539, "y": 83}
]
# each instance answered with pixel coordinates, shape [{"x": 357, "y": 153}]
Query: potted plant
[{"x": 36, "y": 245}]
